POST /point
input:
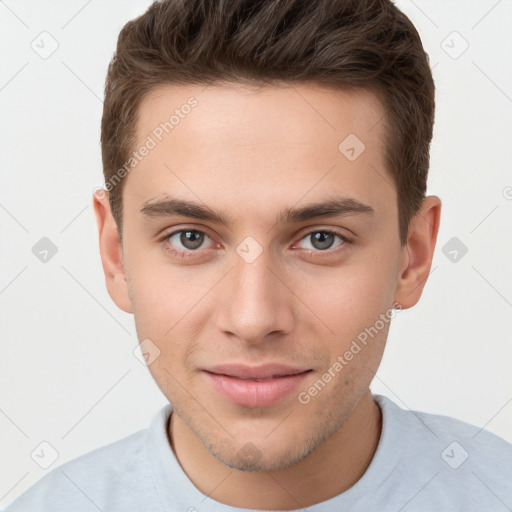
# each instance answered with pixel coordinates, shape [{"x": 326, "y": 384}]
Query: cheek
[
  {"x": 157, "y": 310},
  {"x": 163, "y": 295},
  {"x": 170, "y": 307},
  {"x": 346, "y": 300}
]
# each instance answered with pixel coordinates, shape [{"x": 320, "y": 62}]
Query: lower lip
[{"x": 252, "y": 393}]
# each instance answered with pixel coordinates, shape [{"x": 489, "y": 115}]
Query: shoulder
[
  {"x": 437, "y": 426},
  {"x": 457, "y": 460},
  {"x": 116, "y": 473},
  {"x": 478, "y": 442}
]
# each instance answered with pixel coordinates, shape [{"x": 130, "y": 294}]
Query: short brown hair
[{"x": 366, "y": 44}]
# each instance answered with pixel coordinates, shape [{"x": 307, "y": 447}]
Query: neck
[{"x": 331, "y": 469}]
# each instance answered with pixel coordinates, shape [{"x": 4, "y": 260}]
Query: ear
[
  {"x": 111, "y": 252},
  {"x": 417, "y": 254}
]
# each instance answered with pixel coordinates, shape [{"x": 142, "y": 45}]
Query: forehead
[
  {"x": 307, "y": 114},
  {"x": 263, "y": 144}
]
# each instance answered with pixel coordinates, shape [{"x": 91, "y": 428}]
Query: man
[{"x": 264, "y": 219}]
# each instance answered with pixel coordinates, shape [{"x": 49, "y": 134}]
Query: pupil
[
  {"x": 322, "y": 240},
  {"x": 191, "y": 239}
]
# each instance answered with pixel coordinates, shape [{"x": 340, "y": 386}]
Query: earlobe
[
  {"x": 418, "y": 253},
  {"x": 111, "y": 252}
]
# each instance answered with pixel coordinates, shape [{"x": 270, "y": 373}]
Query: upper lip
[{"x": 265, "y": 371}]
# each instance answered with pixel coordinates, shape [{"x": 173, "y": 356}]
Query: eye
[
  {"x": 322, "y": 240},
  {"x": 185, "y": 243},
  {"x": 189, "y": 239}
]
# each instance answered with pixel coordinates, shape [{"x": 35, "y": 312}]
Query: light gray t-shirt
[{"x": 423, "y": 463}]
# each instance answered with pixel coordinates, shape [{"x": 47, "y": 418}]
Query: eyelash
[{"x": 314, "y": 253}]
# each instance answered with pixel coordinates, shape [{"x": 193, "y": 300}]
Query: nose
[{"x": 255, "y": 304}]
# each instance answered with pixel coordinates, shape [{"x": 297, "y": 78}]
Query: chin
[
  {"x": 266, "y": 453},
  {"x": 250, "y": 458}
]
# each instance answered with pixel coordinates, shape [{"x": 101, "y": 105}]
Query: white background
[{"x": 68, "y": 374}]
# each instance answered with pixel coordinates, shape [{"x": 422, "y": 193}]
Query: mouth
[{"x": 259, "y": 386}]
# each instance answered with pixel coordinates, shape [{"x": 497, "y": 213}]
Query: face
[{"x": 248, "y": 295}]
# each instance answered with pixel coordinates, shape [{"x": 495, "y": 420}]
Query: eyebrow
[{"x": 341, "y": 206}]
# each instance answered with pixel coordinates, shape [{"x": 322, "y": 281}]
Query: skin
[{"x": 251, "y": 154}]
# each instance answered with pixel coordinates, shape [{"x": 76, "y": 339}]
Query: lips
[{"x": 258, "y": 386}]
